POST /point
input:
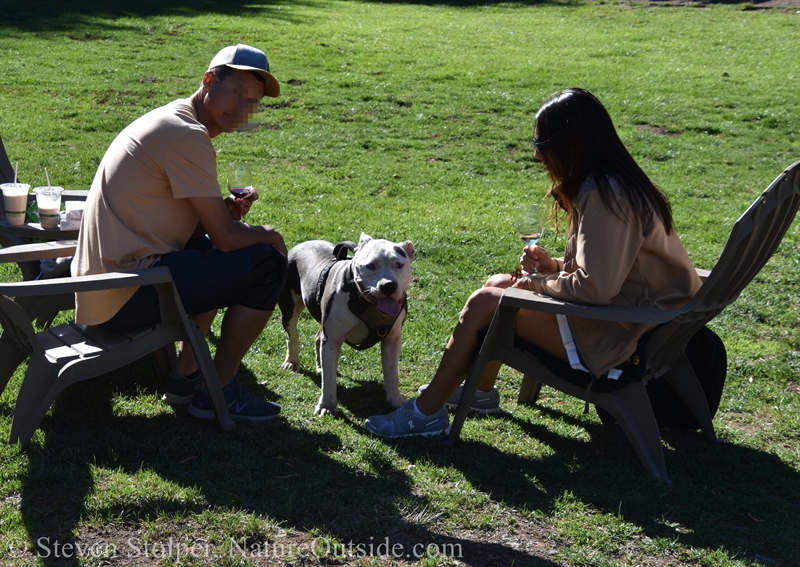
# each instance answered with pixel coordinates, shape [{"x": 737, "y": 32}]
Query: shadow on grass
[
  {"x": 100, "y": 15},
  {"x": 86, "y": 15},
  {"x": 286, "y": 475},
  {"x": 722, "y": 496}
]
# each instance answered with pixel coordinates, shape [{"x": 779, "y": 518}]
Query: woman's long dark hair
[{"x": 576, "y": 140}]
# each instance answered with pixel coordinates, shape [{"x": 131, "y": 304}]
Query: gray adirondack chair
[
  {"x": 753, "y": 240},
  {"x": 69, "y": 353},
  {"x": 6, "y": 171}
]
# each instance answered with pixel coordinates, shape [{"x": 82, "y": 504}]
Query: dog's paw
[
  {"x": 325, "y": 409},
  {"x": 289, "y": 365},
  {"x": 396, "y": 400}
]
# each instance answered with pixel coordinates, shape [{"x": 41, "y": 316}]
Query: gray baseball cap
[{"x": 247, "y": 58}]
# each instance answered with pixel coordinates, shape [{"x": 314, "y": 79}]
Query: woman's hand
[
  {"x": 536, "y": 259},
  {"x": 238, "y": 208}
]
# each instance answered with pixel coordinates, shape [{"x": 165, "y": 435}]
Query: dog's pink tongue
[{"x": 389, "y": 306}]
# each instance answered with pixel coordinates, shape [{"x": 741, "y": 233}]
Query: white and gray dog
[{"x": 360, "y": 300}]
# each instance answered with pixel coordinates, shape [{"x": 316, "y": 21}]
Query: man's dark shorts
[{"x": 207, "y": 279}]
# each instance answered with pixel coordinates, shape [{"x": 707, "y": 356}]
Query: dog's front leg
[
  {"x": 390, "y": 357},
  {"x": 329, "y": 352}
]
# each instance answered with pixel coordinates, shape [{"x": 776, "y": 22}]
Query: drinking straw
[
  {"x": 47, "y": 175},
  {"x": 16, "y": 167}
]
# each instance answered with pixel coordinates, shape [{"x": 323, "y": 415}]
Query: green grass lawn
[{"x": 413, "y": 121}]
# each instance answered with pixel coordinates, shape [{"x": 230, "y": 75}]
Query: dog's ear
[
  {"x": 362, "y": 241},
  {"x": 408, "y": 246}
]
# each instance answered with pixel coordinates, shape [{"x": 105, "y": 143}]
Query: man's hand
[
  {"x": 239, "y": 207},
  {"x": 218, "y": 218},
  {"x": 276, "y": 240}
]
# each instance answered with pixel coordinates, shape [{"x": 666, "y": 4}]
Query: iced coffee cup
[
  {"x": 15, "y": 201},
  {"x": 48, "y": 201}
]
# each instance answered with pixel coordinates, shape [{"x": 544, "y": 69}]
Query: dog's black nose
[{"x": 387, "y": 287}]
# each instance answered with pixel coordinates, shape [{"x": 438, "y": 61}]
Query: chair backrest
[
  {"x": 6, "y": 171},
  {"x": 6, "y": 175},
  {"x": 753, "y": 240}
]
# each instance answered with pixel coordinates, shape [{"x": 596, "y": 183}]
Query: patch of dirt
[
  {"x": 523, "y": 542},
  {"x": 769, "y": 4},
  {"x": 786, "y": 4},
  {"x": 526, "y": 542},
  {"x": 251, "y": 127},
  {"x": 653, "y": 129},
  {"x": 746, "y": 423}
]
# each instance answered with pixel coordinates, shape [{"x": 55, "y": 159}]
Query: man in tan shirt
[{"x": 155, "y": 200}]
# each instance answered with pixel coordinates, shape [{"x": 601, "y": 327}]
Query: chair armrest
[
  {"x": 524, "y": 299},
  {"x": 38, "y": 251},
  {"x": 114, "y": 280}
]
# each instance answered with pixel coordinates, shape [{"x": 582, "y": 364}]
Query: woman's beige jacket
[{"x": 609, "y": 261}]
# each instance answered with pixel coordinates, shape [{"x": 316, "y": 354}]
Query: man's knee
[{"x": 269, "y": 273}]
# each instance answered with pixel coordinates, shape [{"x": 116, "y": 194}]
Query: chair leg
[
  {"x": 480, "y": 368},
  {"x": 210, "y": 378},
  {"x": 501, "y": 329},
  {"x": 163, "y": 361},
  {"x": 684, "y": 381},
  {"x": 11, "y": 356},
  {"x": 631, "y": 408},
  {"x": 529, "y": 390},
  {"x": 38, "y": 391},
  {"x": 44, "y": 309},
  {"x": 172, "y": 313},
  {"x": 467, "y": 395}
]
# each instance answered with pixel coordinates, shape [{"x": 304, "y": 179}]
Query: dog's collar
[{"x": 378, "y": 323}]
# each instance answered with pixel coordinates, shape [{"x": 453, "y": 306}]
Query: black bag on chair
[{"x": 706, "y": 354}]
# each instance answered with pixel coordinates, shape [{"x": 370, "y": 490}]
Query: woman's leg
[{"x": 540, "y": 329}]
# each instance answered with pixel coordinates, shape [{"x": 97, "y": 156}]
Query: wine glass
[
  {"x": 530, "y": 223},
  {"x": 240, "y": 179}
]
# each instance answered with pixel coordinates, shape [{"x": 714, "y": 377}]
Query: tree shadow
[
  {"x": 281, "y": 472},
  {"x": 724, "y": 496},
  {"x": 477, "y": 3},
  {"x": 100, "y": 15},
  {"x": 533, "y": 3}
]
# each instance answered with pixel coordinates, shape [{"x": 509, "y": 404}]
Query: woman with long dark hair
[{"x": 621, "y": 249}]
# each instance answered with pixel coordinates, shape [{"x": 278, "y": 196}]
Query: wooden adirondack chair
[
  {"x": 753, "y": 240},
  {"x": 68, "y": 353}
]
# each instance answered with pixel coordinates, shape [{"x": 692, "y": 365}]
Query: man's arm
[
  {"x": 227, "y": 234},
  {"x": 237, "y": 209}
]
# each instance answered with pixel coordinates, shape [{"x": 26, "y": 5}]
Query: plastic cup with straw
[
  {"x": 15, "y": 200},
  {"x": 48, "y": 201}
]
